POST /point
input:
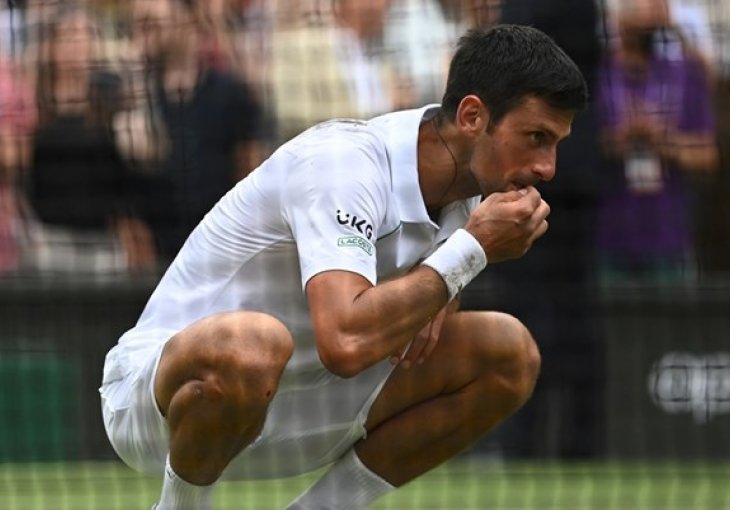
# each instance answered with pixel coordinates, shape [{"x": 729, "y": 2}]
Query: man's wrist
[{"x": 458, "y": 260}]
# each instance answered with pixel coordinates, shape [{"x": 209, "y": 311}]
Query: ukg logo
[{"x": 682, "y": 382}]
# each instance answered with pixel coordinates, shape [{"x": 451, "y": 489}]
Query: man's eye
[{"x": 537, "y": 137}]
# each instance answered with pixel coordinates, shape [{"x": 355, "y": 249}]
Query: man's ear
[{"x": 472, "y": 116}]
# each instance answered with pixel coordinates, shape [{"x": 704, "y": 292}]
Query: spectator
[
  {"x": 77, "y": 184},
  {"x": 12, "y": 24},
  {"x": 420, "y": 57},
  {"x": 712, "y": 207},
  {"x": 238, "y": 38},
  {"x": 252, "y": 23},
  {"x": 657, "y": 124},
  {"x": 693, "y": 34},
  {"x": 17, "y": 120},
  {"x": 479, "y": 13},
  {"x": 330, "y": 64},
  {"x": 552, "y": 288},
  {"x": 205, "y": 128}
]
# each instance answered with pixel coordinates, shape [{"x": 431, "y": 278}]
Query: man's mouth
[{"x": 516, "y": 186}]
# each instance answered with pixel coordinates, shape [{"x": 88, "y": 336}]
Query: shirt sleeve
[{"x": 335, "y": 203}]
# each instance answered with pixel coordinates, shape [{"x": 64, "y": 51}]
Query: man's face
[
  {"x": 642, "y": 15},
  {"x": 482, "y": 13},
  {"x": 73, "y": 46},
  {"x": 520, "y": 150},
  {"x": 153, "y": 21},
  {"x": 371, "y": 13}
]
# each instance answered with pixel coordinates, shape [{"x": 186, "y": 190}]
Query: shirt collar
[{"x": 399, "y": 132}]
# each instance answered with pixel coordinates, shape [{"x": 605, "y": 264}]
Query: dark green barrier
[
  {"x": 666, "y": 385},
  {"x": 668, "y": 372},
  {"x": 39, "y": 407},
  {"x": 54, "y": 334}
]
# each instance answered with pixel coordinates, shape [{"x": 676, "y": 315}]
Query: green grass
[{"x": 465, "y": 484}]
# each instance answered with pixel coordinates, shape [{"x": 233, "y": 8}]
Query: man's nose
[{"x": 545, "y": 168}]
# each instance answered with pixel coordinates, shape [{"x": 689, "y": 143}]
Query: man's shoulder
[
  {"x": 377, "y": 133},
  {"x": 385, "y": 141},
  {"x": 336, "y": 137}
]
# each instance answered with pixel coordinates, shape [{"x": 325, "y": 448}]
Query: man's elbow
[{"x": 343, "y": 359}]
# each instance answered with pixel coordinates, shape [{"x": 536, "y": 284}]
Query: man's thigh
[
  {"x": 470, "y": 344},
  {"x": 242, "y": 352},
  {"x": 133, "y": 422}
]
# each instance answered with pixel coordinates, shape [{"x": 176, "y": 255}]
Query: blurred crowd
[{"x": 123, "y": 121}]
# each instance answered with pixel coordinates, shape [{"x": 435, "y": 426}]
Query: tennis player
[{"x": 311, "y": 317}]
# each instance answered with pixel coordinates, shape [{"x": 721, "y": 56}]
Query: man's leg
[
  {"x": 482, "y": 370},
  {"x": 214, "y": 382}
]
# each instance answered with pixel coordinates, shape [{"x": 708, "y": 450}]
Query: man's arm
[
  {"x": 358, "y": 324},
  {"x": 426, "y": 339}
]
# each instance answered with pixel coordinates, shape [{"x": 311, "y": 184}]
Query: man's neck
[
  {"x": 182, "y": 68},
  {"x": 442, "y": 165},
  {"x": 184, "y": 56}
]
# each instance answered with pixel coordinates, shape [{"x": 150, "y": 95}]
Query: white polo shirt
[{"x": 344, "y": 195}]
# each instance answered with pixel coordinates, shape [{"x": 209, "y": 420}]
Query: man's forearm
[{"x": 383, "y": 319}]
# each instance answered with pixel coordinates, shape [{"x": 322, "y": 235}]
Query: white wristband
[{"x": 458, "y": 260}]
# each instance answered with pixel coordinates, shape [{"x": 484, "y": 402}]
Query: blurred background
[{"x": 123, "y": 121}]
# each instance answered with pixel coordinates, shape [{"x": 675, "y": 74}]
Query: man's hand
[
  {"x": 425, "y": 342},
  {"x": 506, "y": 224}
]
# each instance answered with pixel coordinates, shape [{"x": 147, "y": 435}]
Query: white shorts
[{"x": 306, "y": 428}]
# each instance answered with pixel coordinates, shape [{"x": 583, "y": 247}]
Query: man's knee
[
  {"x": 515, "y": 365},
  {"x": 232, "y": 359},
  {"x": 251, "y": 338},
  {"x": 248, "y": 352}
]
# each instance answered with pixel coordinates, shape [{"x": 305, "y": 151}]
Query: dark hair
[
  {"x": 47, "y": 67},
  {"x": 504, "y": 64}
]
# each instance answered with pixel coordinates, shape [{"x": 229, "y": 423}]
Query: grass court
[{"x": 464, "y": 484}]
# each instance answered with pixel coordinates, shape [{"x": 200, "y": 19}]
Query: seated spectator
[
  {"x": 197, "y": 127},
  {"x": 420, "y": 57},
  {"x": 474, "y": 13},
  {"x": 77, "y": 184},
  {"x": 657, "y": 124},
  {"x": 331, "y": 64},
  {"x": 251, "y": 25},
  {"x": 17, "y": 120}
]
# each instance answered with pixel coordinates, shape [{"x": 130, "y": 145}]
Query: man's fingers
[
  {"x": 528, "y": 194},
  {"x": 423, "y": 344},
  {"x": 397, "y": 356},
  {"x": 539, "y": 231},
  {"x": 415, "y": 350},
  {"x": 433, "y": 330},
  {"x": 538, "y": 224},
  {"x": 433, "y": 337},
  {"x": 527, "y": 205},
  {"x": 542, "y": 212},
  {"x": 408, "y": 353}
]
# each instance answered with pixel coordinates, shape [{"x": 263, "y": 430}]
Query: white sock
[
  {"x": 177, "y": 494},
  {"x": 348, "y": 485}
]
